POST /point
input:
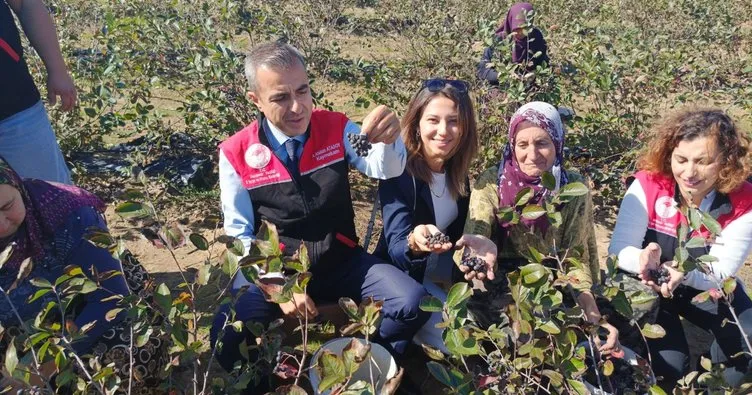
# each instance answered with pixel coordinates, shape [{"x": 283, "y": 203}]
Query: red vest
[
  {"x": 664, "y": 217},
  {"x": 315, "y": 206}
]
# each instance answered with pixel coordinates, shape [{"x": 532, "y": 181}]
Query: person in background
[
  {"x": 431, "y": 196},
  {"x": 27, "y": 140},
  {"x": 535, "y": 146},
  {"x": 526, "y": 44},
  {"x": 290, "y": 167},
  {"x": 695, "y": 158}
]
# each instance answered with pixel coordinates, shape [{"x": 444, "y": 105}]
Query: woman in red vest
[{"x": 696, "y": 158}]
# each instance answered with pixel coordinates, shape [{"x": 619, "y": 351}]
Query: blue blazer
[{"x": 406, "y": 203}]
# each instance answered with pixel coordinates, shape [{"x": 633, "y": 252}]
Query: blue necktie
[{"x": 291, "y": 146}]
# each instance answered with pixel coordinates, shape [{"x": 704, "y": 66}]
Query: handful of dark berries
[
  {"x": 360, "y": 143},
  {"x": 437, "y": 238},
  {"x": 659, "y": 276},
  {"x": 476, "y": 264}
]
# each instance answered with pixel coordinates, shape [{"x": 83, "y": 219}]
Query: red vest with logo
[
  {"x": 314, "y": 207},
  {"x": 664, "y": 217}
]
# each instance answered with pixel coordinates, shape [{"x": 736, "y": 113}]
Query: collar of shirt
[{"x": 277, "y": 140}]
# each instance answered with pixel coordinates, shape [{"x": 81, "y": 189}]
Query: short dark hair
[{"x": 274, "y": 54}]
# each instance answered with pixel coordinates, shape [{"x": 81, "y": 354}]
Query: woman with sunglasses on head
[
  {"x": 696, "y": 158},
  {"x": 535, "y": 146},
  {"x": 424, "y": 209}
]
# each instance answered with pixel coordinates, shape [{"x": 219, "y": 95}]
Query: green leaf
[
  {"x": 578, "y": 387},
  {"x": 438, "y": 372},
  {"x": 713, "y": 226},
  {"x": 354, "y": 354},
  {"x": 550, "y": 327},
  {"x": 702, "y": 297},
  {"x": 458, "y": 294},
  {"x": 302, "y": 256},
  {"x": 695, "y": 242},
  {"x": 680, "y": 255},
  {"x": 40, "y": 282},
  {"x": 131, "y": 210},
  {"x": 533, "y": 273},
  {"x": 433, "y": 353},
  {"x": 555, "y": 377},
  {"x": 536, "y": 255},
  {"x": 729, "y": 285},
  {"x": 656, "y": 390},
  {"x": 290, "y": 389},
  {"x": 523, "y": 196},
  {"x": 163, "y": 298},
  {"x": 573, "y": 189},
  {"x": 204, "y": 272},
  {"x": 112, "y": 314},
  {"x": 267, "y": 239},
  {"x": 229, "y": 262},
  {"x": 622, "y": 305},
  {"x": 431, "y": 304},
  {"x": 6, "y": 254},
  {"x": 199, "y": 241},
  {"x": 90, "y": 112},
  {"x": 331, "y": 370},
  {"x": 608, "y": 368},
  {"x": 173, "y": 236},
  {"x": 548, "y": 181},
  {"x": 706, "y": 364},
  {"x": 236, "y": 247},
  {"x": 640, "y": 297},
  {"x": 533, "y": 212},
  {"x": 38, "y": 294},
  {"x": 11, "y": 358},
  {"x": 653, "y": 331},
  {"x": 350, "y": 308},
  {"x": 694, "y": 217}
]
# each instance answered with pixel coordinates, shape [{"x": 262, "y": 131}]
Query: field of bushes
[{"x": 165, "y": 80}]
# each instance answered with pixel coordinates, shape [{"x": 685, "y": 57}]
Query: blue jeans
[
  {"x": 28, "y": 144},
  {"x": 364, "y": 275}
]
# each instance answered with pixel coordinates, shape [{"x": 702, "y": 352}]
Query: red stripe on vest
[
  {"x": 12, "y": 52},
  {"x": 664, "y": 216},
  {"x": 257, "y": 166}
]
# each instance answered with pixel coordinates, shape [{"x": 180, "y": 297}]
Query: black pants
[{"x": 670, "y": 354}]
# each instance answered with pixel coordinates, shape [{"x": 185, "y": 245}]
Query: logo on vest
[
  {"x": 258, "y": 156},
  {"x": 665, "y": 207}
]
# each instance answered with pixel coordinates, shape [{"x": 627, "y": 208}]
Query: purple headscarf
[
  {"x": 512, "y": 179},
  {"x": 515, "y": 19},
  {"x": 48, "y": 205},
  {"x": 524, "y": 48}
]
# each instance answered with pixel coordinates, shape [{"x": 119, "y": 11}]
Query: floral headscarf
[
  {"x": 48, "y": 205},
  {"x": 512, "y": 179}
]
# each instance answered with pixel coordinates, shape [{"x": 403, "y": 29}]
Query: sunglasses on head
[{"x": 437, "y": 84}]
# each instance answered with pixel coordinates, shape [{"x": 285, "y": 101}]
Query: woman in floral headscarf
[
  {"x": 528, "y": 46},
  {"x": 42, "y": 226},
  {"x": 535, "y": 146}
]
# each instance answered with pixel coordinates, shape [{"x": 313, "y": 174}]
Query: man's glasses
[{"x": 437, "y": 84}]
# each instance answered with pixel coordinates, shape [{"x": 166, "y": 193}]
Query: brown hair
[
  {"x": 690, "y": 123},
  {"x": 458, "y": 165}
]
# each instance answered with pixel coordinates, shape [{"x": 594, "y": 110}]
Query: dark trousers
[
  {"x": 670, "y": 354},
  {"x": 364, "y": 275}
]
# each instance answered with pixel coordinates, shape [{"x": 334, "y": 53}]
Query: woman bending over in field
[{"x": 696, "y": 158}]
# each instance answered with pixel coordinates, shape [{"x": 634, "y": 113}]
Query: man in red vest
[{"x": 290, "y": 167}]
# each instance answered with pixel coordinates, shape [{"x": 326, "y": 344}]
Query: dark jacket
[
  {"x": 17, "y": 89},
  {"x": 401, "y": 212},
  {"x": 522, "y": 51}
]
